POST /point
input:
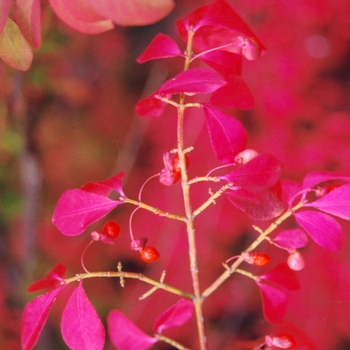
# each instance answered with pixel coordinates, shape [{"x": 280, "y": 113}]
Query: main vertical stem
[{"x": 198, "y": 300}]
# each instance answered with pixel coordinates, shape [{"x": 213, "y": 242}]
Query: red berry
[
  {"x": 111, "y": 229},
  {"x": 261, "y": 259},
  {"x": 149, "y": 254},
  {"x": 177, "y": 165}
]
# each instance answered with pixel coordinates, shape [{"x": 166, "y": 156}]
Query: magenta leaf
[
  {"x": 34, "y": 317},
  {"x": 81, "y": 16},
  {"x": 162, "y": 46},
  {"x": 81, "y": 327},
  {"x": 219, "y": 25},
  {"x": 322, "y": 228},
  {"x": 258, "y": 175},
  {"x": 176, "y": 315},
  {"x": 258, "y": 206},
  {"x": 336, "y": 202},
  {"x": 227, "y": 135},
  {"x": 235, "y": 94},
  {"x": 125, "y": 335},
  {"x": 150, "y": 107},
  {"x": 105, "y": 187},
  {"x": 292, "y": 239},
  {"x": 76, "y": 209},
  {"x": 51, "y": 281},
  {"x": 5, "y": 6},
  {"x": 282, "y": 275},
  {"x": 316, "y": 177},
  {"x": 225, "y": 63},
  {"x": 193, "y": 81},
  {"x": 274, "y": 302}
]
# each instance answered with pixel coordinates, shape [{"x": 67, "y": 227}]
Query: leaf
[
  {"x": 81, "y": 327},
  {"x": 322, "y": 228},
  {"x": 316, "y": 177},
  {"x": 51, "y": 281},
  {"x": 336, "y": 202},
  {"x": 162, "y": 46},
  {"x": 81, "y": 16},
  {"x": 261, "y": 206},
  {"x": 219, "y": 25},
  {"x": 104, "y": 188},
  {"x": 34, "y": 317},
  {"x": 125, "y": 335},
  {"x": 14, "y": 49},
  {"x": 5, "y": 6},
  {"x": 28, "y": 18},
  {"x": 258, "y": 175},
  {"x": 282, "y": 275},
  {"x": 225, "y": 63},
  {"x": 289, "y": 189},
  {"x": 176, "y": 315},
  {"x": 133, "y": 12},
  {"x": 235, "y": 94},
  {"x": 227, "y": 135},
  {"x": 274, "y": 302},
  {"x": 193, "y": 81},
  {"x": 76, "y": 209},
  {"x": 150, "y": 107},
  {"x": 292, "y": 239}
]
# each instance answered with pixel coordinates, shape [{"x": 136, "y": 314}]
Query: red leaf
[
  {"x": 225, "y": 63},
  {"x": 176, "y": 315},
  {"x": 132, "y": 12},
  {"x": 28, "y": 19},
  {"x": 292, "y": 239},
  {"x": 322, "y": 228},
  {"x": 261, "y": 206},
  {"x": 34, "y": 317},
  {"x": 105, "y": 187},
  {"x": 125, "y": 335},
  {"x": 193, "y": 81},
  {"x": 258, "y": 175},
  {"x": 219, "y": 25},
  {"x": 316, "y": 177},
  {"x": 51, "y": 281},
  {"x": 5, "y": 6},
  {"x": 227, "y": 135},
  {"x": 336, "y": 202},
  {"x": 14, "y": 49},
  {"x": 76, "y": 209},
  {"x": 81, "y": 16},
  {"x": 284, "y": 276},
  {"x": 150, "y": 107},
  {"x": 274, "y": 302},
  {"x": 81, "y": 327},
  {"x": 235, "y": 94},
  {"x": 162, "y": 46}
]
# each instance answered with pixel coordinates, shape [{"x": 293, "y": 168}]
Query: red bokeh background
[{"x": 70, "y": 119}]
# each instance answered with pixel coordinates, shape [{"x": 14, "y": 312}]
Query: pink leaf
[
  {"x": 150, "y": 107},
  {"x": 219, "y": 25},
  {"x": 14, "y": 49},
  {"x": 34, "y": 317},
  {"x": 292, "y": 239},
  {"x": 81, "y": 327},
  {"x": 235, "y": 94},
  {"x": 322, "y": 228},
  {"x": 316, "y": 177},
  {"x": 162, "y": 46},
  {"x": 176, "y": 315},
  {"x": 51, "y": 281},
  {"x": 133, "y": 12},
  {"x": 274, "y": 302},
  {"x": 76, "y": 209},
  {"x": 225, "y": 63},
  {"x": 336, "y": 202},
  {"x": 104, "y": 188},
  {"x": 193, "y": 81},
  {"x": 81, "y": 16},
  {"x": 261, "y": 206},
  {"x": 5, "y": 6},
  {"x": 282, "y": 275},
  {"x": 125, "y": 335},
  {"x": 258, "y": 175},
  {"x": 227, "y": 135},
  {"x": 28, "y": 19}
]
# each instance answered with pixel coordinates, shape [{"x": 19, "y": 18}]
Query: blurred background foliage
[{"x": 70, "y": 119}]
